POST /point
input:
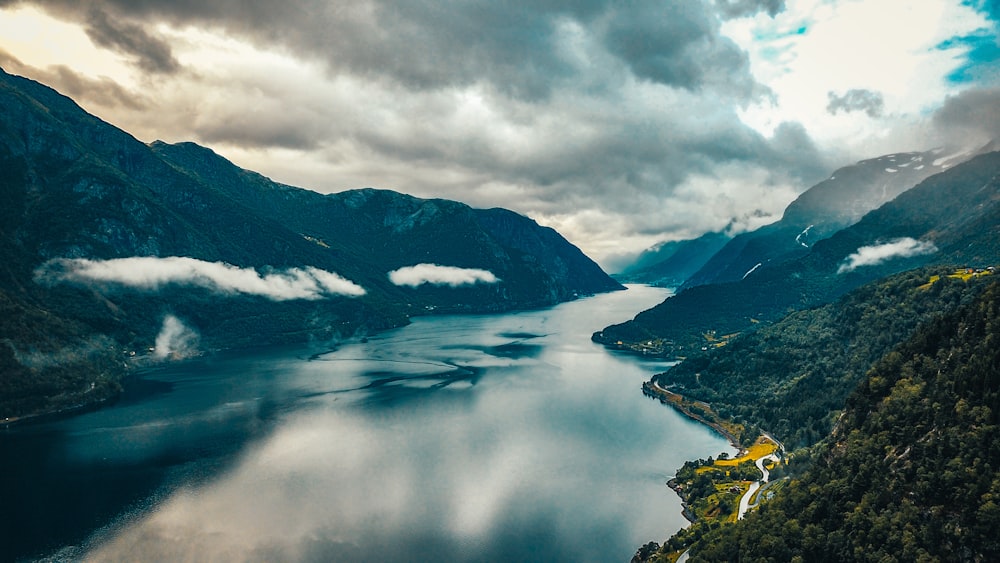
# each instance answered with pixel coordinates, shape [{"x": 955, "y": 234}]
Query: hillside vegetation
[
  {"x": 235, "y": 258},
  {"x": 950, "y": 218},
  {"x": 911, "y": 471},
  {"x": 792, "y": 378}
]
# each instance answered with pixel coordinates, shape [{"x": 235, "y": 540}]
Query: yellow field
[
  {"x": 964, "y": 274},
  {"x": 763, "y": 447}
]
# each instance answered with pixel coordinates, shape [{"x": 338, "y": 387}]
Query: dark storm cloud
[
  {"x": 151, "y": 53},
  {"x": 793, "y": 150},
  {"x": 257, "y": 133},
  {"x": 265, "y": 125},
  {"x": 424, "y": 45},
  {"x": 513, "y": 46},
  {"x": 676, "y": 43},
  {"x": 743, "y": 8},
  {"x": 107, "y": 29},
  {"x": 972, "y": 115},
  {"x": 872, "y": 103},
  {"x": 515, "y": 50},
  {"x": 604, "y": 111}
]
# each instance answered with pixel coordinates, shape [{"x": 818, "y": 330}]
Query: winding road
[{"x": 745, "y": 499}]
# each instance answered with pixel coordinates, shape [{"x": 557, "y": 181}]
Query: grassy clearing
[
  {"x": 964, "y": 274},
  {"x": 761, "y": 448}
]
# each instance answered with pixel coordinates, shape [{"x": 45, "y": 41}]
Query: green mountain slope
[
  {"x": 105, "y": 239},
  {"x": 670, "y": 264},
  {"x": 829, "y": 206},
  {"x": 911, "y": 471},
  {"x": 791, "y": 378},
  {"x": 949, "y": 218}
]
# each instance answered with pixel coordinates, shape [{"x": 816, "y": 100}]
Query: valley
[
  {"x": 502, "y": 436},
  {"x": 189, "y": 348},
  {"x": 110, "y": 245}
]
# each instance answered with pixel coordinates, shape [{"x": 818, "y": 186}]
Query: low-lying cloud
[
  {"x": 152, "y": 274},
  {"x": 176, "y": 340},
  {"x": 434, "y": 274},
  {"x": 89, "y": 351},
  {"x": 876, "y": 254}
]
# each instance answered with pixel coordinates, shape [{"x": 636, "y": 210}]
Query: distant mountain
[
  {"x": 110, "y": 247},
  {"x": 671, "y": 263},
  {"x": 949, "y": 218},
  {"x": 381, "y": 230},
  {"x": 833, "y": 204}
]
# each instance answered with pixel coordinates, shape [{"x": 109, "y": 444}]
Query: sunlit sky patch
[{"x": 619, "y": 124}]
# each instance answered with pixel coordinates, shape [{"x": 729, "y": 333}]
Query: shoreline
[
  {"x": 681, "y": 404},
  {"x": 58, "y": 414},
  {"x": 362, "y": 333},
  {"x": 676, "y": 400}
]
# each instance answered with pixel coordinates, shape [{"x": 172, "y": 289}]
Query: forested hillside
[
  {"x": 911, "y": 471},
  {"x": 950, "y": 218},
  {"x": 792, "y": 378},
  {"x": 111, "y": 250}
]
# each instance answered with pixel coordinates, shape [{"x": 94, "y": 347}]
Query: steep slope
[
  {"x": 829, "y": 206},
  {"x": 389, "y": 230},
  {"x": 949, "y": 218},
  {"x": 671, "y": 263},
  {"x": 911, "y": 472},
  {"x": 792, "y": 378},
  {"x": 107, "y": 242}
]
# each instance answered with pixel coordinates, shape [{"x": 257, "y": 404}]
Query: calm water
[{"x": 478, "y": 438}]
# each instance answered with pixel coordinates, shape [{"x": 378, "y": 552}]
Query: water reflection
[{"x": 486, "y": 438}]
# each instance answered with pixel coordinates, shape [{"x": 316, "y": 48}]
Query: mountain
[
  {"x": 829, "y": 206},
  {"x": 949, "y": 218},
  {"x": 911, "y": 471},
  {"x": 669, "y": 264},
  {"x": 792, "y": 378},
  {"x": 110, "y": 247},
  {"x": 390, "y": 230}
]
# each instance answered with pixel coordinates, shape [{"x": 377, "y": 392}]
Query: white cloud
[
  {"x": 434, "y": 274},
  {"x": 890, "y": 47},
  {"x": 876, "y": 254},
  {"x": 152, "y": 273},
  {"x": 553, "y": 111},
  {"x": 176, "y": 340}
]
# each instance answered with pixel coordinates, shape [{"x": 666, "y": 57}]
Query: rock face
[{"x": 237, "y": 258}]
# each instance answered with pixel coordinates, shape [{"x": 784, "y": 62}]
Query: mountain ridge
[
  {"x": 671, "y": 263},
  {"x": 825, "y": 208},
  {"x": 908, "y": 473},
  {"x": 234, "y": 257},
  {"x": 949, "y": 218}
]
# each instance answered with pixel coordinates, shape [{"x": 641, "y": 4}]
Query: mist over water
[{"x": 478, "y": 438}]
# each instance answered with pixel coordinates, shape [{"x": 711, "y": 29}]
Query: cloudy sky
[{"x": 619, "y": 123}]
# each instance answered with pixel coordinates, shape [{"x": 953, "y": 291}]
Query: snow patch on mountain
[
  {"x": 798, "y": 237},
  {"x": 751, "y": 270}
]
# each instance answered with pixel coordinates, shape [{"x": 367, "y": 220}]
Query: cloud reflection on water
[{"x": 549, "y": 454}]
